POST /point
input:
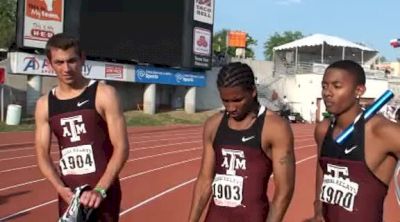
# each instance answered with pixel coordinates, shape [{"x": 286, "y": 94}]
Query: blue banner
[{"x": 149, "y": 74}]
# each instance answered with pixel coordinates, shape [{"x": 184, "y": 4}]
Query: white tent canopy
[
  {"x": 329, "y": 48},
  {"x": 321, "y": 39}
]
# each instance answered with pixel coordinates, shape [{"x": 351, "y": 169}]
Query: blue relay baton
[{"x": 368, "y": 113}]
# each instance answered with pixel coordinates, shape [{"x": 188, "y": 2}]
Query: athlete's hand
[
  {"x": 66, "y": 194},
  {"x": 91, "y": 199}
]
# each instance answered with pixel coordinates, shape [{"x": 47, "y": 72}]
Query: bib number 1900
[
  {"x": 228, "y": 190},
  {"x": 77, "y": 160}
]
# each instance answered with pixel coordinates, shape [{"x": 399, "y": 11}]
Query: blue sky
[{"x": 373, "y": 22}]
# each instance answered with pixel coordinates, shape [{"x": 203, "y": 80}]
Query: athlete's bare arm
[
  {"x": 202, "y": 190},
  {"x": 109, "y": 107},
  {"x": 389, "y": 132},
  {"x": 319, "y": 135},
  {"x": 278, "y": 136},
  {"x": 382, "y": 149},
  {"x": 43, "y": 144},
  {"x": 109, "y": 103}
]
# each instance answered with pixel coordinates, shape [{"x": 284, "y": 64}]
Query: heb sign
[
  {"x": 148, "y": 74},
  {"x": 2, "y": 75}
]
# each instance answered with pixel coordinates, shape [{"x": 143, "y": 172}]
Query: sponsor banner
[
  {"x": 30, "y": 64},
  {"x": 201, "y": 47},
  {"x": 42, "y": 19},
  {"x": 237, "y": 39},
  {"x": 204, "y": 11},
  {"x": 201, "y": 41},
  {"x": 148, "y": 74}
]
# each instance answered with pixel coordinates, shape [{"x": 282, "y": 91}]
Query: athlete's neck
[
  {"x": 71, "y": 90},
  {"x": 344, "y": 119}
]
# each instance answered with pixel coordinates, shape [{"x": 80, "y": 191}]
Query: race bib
[
  {"x": 77, "y": 160},
  {"x": 336, "y": 190},
  {"x": 227, "y": 190}
]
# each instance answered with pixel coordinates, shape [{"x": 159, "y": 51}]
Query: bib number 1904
[{"x": 77, "y": 160}]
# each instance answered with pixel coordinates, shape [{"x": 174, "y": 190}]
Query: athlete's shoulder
[
  {"x": 275, "y": 126},
  {"x": 273, "y": 118},
  {"x": 383, "y": 128},
  {"x": 214, "y": 120},
  {"x": 42, "y": 107},
  {"x": 104, "y": 88},
  {"x": 321, "y": 128},
  {"x": 42, "y": 101}
]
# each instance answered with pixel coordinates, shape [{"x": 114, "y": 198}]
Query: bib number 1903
[{"x": 227, "y": 190}]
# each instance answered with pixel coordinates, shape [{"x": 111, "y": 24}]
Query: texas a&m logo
[
  {"x": 337, "y": 188},
  {"x": 233, "y": 160},
  {"x": 73, "y": 127}
]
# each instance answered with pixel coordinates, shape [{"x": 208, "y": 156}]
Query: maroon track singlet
[
  {"x": 242, "y": 172},
  {"x": 349, "y": 191},
  {"x": 85, "y": 147}
]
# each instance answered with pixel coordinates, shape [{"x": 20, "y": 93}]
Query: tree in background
[
  {"x": 220, "y": 44},
  {"x": 279, "y": 39},
  {"x": 7, "y": 22}
]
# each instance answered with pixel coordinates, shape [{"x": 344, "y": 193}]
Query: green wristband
[{"x": 101, "y": 191}]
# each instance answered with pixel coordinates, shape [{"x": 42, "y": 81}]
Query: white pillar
[
  {"x": 33, "y": 92},
  {"x": 343, "y": 53},
  {"x": 362, "y": 57},
  {"x": 190, "y": 100},
  {"x": 2, "y": 102},
  {"x": 149, "y": 99}
]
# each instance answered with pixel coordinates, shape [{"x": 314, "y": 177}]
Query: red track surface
[{"x": 157, "y": 180}]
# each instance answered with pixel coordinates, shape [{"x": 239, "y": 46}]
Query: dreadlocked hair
[{"x": 236, "y": 74}]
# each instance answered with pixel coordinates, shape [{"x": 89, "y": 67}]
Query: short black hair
[
  {"x": 351, "y": 67},
  {"x": 236, "y": 74},
  {"x": 64, "y": 42}
]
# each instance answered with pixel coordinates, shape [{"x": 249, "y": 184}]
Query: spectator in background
[{"x": 313, "y": 113}]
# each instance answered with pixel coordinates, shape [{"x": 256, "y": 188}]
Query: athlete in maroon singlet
[
  {"x": 242, "y": 147},
  {"x": 86, "y": 118},
  {"x": 352, "y": 178}
]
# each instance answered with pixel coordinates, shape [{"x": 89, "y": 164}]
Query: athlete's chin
[
  {"x": 68, "y": 81},
  {"x": 238, "y": 117},
  {"x": 332, "y": 110}
]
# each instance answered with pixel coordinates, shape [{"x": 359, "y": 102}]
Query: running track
[{"x": 157, "y": 181}]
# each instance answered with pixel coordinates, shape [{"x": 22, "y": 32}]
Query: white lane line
[
  {"x": 305, "y": 159},
  {"x": 32, "y": 166},
  {"x": 27, "y": 210},
  {"x": 179, "y": 186},
  {"x": 54, "y": 144},
  {"x": 169, "y": 136},
  {"x": 22, "y": 184},
  {"x": 297, "y": 140},
  {"x": 122, "y": 179},
  {"x": 133, "y": 149},
  {"x": 305, "y": 146},
  {"x": 18, "y": 168},
  {"x": 157, "y": 196},
  {"x": 159, "y": 168},
  {"x": 164, "y": 145},
  {"x": 163, "y": 154},
  {"x": 131, "y": 160}
]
